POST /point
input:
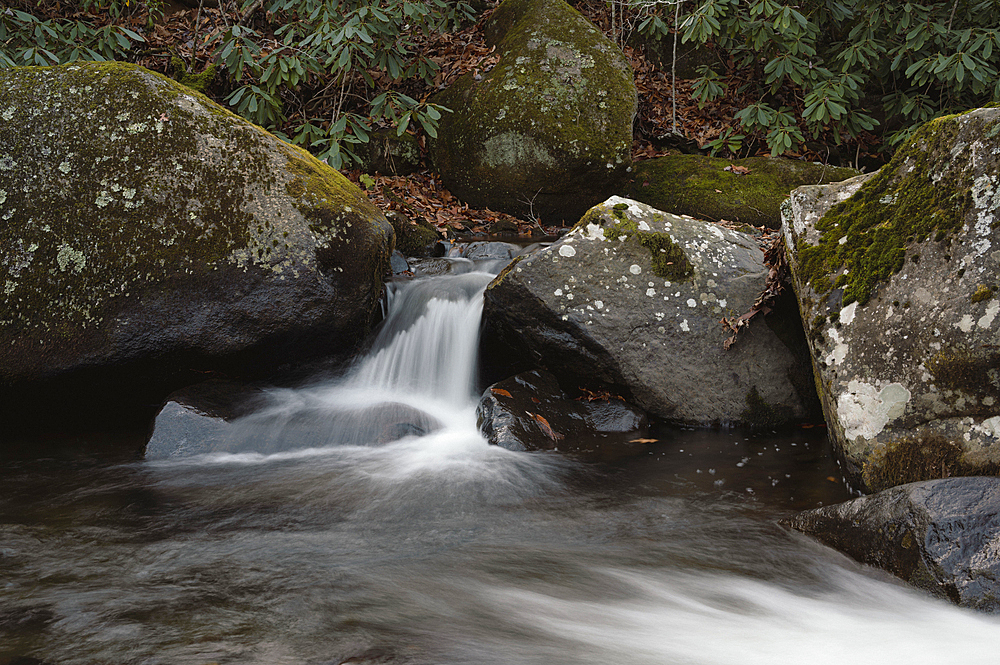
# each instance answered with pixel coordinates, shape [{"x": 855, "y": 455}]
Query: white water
[{"x": 323, "y": 531}]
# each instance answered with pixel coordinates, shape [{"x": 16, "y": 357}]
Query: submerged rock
[
  {"x": 632, "y": 298},
  {"x": 152, "y": 237},
  {"x": 897, "y": 279},
  {"x": 531, "y": 412},
  {"x": 749, "y": 191},
  {"x": 942, "y": 536},
  {"x": 548, "y": 130}
]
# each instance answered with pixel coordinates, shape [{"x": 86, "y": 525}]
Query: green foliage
[
  {"x": 830, "y": 59},
  {"x": 284, "y": 65}
]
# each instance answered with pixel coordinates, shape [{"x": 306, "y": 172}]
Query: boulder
[
  {"x": 547, "y": 132},
  {"x": 531, "y": 412},
  {"x": 632, "y": 298},
  {"x": 897, "y": 275},
  {"x": 942, "y": 536},
  {"x": 151, "y": 237},
  {"x": 749, "y": 191}
]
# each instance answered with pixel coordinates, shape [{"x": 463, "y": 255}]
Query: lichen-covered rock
[
  {"x": 942, "y": 536},
  {"x": 897, "y": 277},
  {"x": 530, "y": 411},
  {"x": 150, "y": 236},
  {"x": 547, "y": 131},
  {"x": 749, "y": 191},
  {"x": 633, "y": 297}
]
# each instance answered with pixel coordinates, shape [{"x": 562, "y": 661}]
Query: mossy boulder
[
  {"x": 938, "y": 535},
  {"x": 150, "y": 237},
  {"x": 548, "y": 131},
  {"x": 897, "y": 279},
  {"x": 739, "y": 190},
  {"x": 631, "y": 299}
]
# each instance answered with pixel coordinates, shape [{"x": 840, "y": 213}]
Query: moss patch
[
  {"x": 669, "y": 260},
  {"x": 864, "y": 240},
  {"x": 701, "y": 187},
  {"x": 911, "y": 459}
]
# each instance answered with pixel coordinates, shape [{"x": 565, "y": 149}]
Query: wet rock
[
  {"x": 749, "y": 191},
  {"x": 546, "y": 132},
  {"x": 897, "y": 278},
  {"x": 153, "y": 240},
  {"x": 398, "y": 264},
  {"x": 531, "y": 412},
  {"x": 632, "y": 298},
  {"x": 939, "y": 535},
  {"x": 413, "y": 238}
]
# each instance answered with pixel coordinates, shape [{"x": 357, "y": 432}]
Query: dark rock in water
[
  {"x": 531, "y": 412},
  {"x": 939, "y": 535},
  {"x": 490, "y": 250},
  {"x": 896, "y": 276},
  {"x": 398, "y": 264},
  {"x": 633, "y": 297},
  {"x": 159, "y": 238},
  {"x": 413, "y": 237}
]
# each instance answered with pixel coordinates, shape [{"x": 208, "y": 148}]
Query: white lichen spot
[
  {"x": 7, "y": 163},
  {"x": 692, "y": 302},
  {"x": 634, "y": 269},
  {"x": 3, "y": 196},
  {"x": 684, "y": 326},
  {"x": 9, "y": 113},
  {"x": 650, "y": 292},
  {"x": 567, "y": 250},
  {"x": 643, "y": 226},
  {"x": 865, "y": 411},
  {"x": 965, "y": 325},
  {"x": 557, "y": 292},
  {"x": 847, "y": 313},
  {"x": 102, "y": 200},
  {"x": 991, "y": 313},
  {"x": 65, "y": 167},
  {"x": 839, "y": 352},
  {"x": 599, "y": 304},
  {"x": 722, "y": 302},
  {"x": 69, "y": 258}
]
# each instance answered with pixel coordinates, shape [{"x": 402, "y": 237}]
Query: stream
[{"x": 365, "y": 520}]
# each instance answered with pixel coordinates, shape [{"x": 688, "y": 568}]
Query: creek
[{"x": 365, "y": 520}]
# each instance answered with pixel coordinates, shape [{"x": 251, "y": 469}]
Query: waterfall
[{"x": 417, "y": 379}]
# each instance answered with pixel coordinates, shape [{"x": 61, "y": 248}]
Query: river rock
[
  {"x": 749, "y": 191},
  {"x": 531, "y": 412},
  {"x": 151, "y": 237},
  {"x": 547, "y": 132},
  {"x": 897, "y": 277},
  {"x": 939, "y": 535},
  {"x": 632, "y": 298}
]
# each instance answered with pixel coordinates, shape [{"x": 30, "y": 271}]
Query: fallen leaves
[
  {"x": 774, "y": 285},
  {"x": 644, "y": 441},
  {"x": 500, "y": 391},
  {"x": 738, "y": 170},
  {"x": 543, "y": 425}
]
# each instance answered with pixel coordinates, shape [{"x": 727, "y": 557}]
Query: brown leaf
[
  {"x": 500, "y": 391},
  {"x": 738, "y": 170},
  {"x": 644, "y": 441},
  {"x": 543, "y": 424}
]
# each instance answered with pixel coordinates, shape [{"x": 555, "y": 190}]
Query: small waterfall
[
  {"x": 418, "y": 379},
  {"x": 429, "y": 340}
]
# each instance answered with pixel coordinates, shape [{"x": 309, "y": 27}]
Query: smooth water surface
[{"x": 321, "y": 530}]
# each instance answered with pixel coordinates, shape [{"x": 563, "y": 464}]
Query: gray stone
[
  {"x": 151, "y": 237},
  {"x": 897, "y": 276},
  {"x": 547, "y": 132},
  {"x": 632, "y": 298},
  {"x": 942, "y": 536}
]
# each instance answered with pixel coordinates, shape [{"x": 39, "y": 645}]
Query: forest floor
[{"x": 667, "y": 115}]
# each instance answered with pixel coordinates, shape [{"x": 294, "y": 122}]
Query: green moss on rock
[
  {"x": 910, "y": 459},
  {"x": 864, "y": 240},
  {"x": 668, "y": 260},
  {"x": 702, "y": 187},
  {"x": 548, "y": 131}
]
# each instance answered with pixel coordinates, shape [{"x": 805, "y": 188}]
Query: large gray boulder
[
  {"x": 942, "y": 536},
  {"x": 150, "y": 237},
  {"x": 632, "y": 299},
  {"x": 548, "y": 131},
  {"x": 897, "y": 275}
]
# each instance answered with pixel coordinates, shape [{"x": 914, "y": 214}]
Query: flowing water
[{"x": 365, "y": 520}]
